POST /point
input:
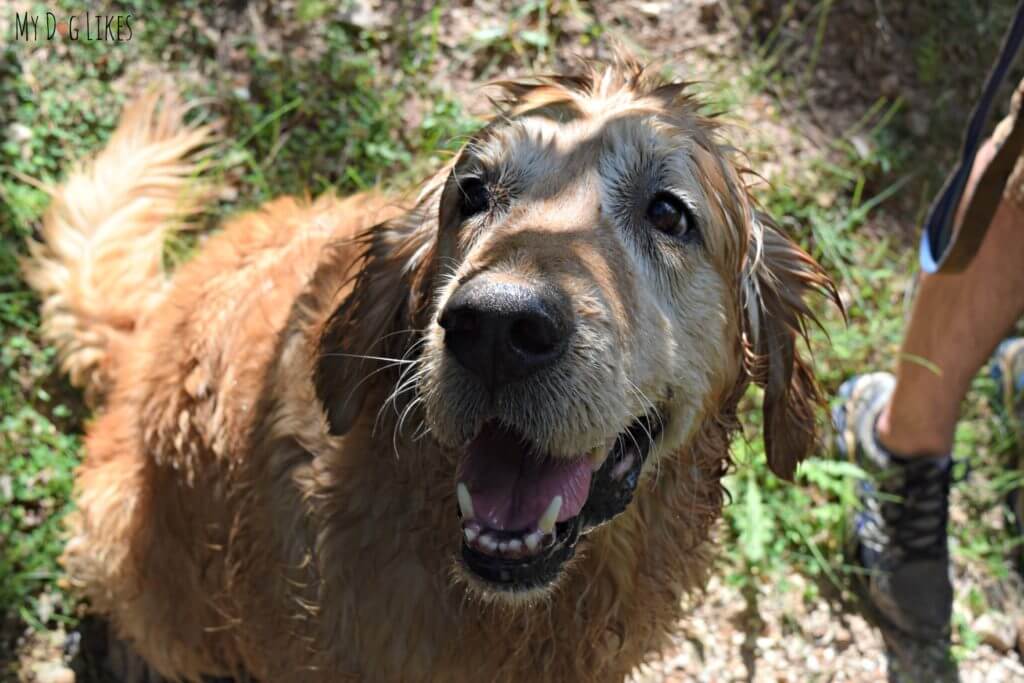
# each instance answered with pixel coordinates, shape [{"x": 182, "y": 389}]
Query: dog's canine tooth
[
  {"x": 550, "y": 516},
  {"x": 532, "y": 540},
  {"x": 470, "y": 534},
  {"x": 465, "y": 501}
]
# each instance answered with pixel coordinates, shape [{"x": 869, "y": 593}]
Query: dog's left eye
[
  {"x": 668, "y": 214},
  {"x": 475, "y": 196}
]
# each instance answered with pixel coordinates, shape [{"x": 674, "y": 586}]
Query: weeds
[{"x": 832, "y": 205}]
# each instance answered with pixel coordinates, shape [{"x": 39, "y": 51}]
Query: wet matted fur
[{"x": 269, "y": 483}]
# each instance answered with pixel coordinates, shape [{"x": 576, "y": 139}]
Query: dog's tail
[{"x": 99, "y": 266}]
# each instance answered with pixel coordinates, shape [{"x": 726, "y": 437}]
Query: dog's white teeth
[
  {"x": 550, "y": 516},
  {"x": 513, "y": 547},
  {"x": 465, "y": 501},
  {"x": 503, "y": 544}
]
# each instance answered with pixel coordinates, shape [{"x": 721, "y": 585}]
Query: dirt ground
[{"x": 867, "y": 49}]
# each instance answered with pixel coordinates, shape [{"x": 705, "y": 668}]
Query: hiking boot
[{"x": 898, "y": 537}]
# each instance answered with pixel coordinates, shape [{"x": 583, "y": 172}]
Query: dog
[{"x": 474, "y": 434}]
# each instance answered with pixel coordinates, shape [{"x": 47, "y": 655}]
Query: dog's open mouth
[{"x": 523, "y": 513}]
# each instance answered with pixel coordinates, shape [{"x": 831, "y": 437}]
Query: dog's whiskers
[
  {"x": 392, "y": 361},
  {"x": 649, "y": 408},
  {"x": 406, "y": 381},
  {"x": 401, "y": 420},
  {"x": 389, "y": 362},
  {"x": 422, "y": 430},
  {"x": 400, "y": 387}
]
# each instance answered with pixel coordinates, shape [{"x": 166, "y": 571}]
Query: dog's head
[{"x": 585, "y": 285}]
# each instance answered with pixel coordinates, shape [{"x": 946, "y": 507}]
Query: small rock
[
  {"x": 55, "y": 673},
  {"x": 996, "y": 631},
  {"x": 20, "y": 132},
  {"x": 917, "y": 122},
  {"x": 862, "y": 146},
  {"x": 652, "y": 9},
  {"x": 44, "y": 607},
  {"x": 825, "y": 199},
  {"x": 710, "y": 12},
  {"x": 365, "y": 15},
  {"x": 890, "y": 85},
  {"x": 228, "y": 193}
]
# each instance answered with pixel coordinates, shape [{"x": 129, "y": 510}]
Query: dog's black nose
[{"x": 503, "y": 331}]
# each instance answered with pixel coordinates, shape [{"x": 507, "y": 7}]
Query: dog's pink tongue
[{"x": 511, "y": 488}]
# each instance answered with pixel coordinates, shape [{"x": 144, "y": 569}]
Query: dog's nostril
[
  {"x": 458, "y": 321},
  {"x": 534, "y": 335},
  {"x": 446, "y": 320}
]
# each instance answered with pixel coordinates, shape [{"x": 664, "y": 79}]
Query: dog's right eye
[
  {"x": 669, "y": 215},
  {"x": 475, "y": 196}
]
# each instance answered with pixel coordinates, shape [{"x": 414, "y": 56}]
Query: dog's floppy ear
[
  {"x": 777, "y": 278},
  {"x": 377, "y": 321}
]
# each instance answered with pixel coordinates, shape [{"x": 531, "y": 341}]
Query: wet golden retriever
[{"x": 476, "y": 438}]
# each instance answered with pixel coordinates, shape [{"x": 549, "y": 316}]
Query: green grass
[
  {"x": 39, "y": 416},
  {"x": 832, "y": 202},
  {"x": 334, "y": 118}
]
